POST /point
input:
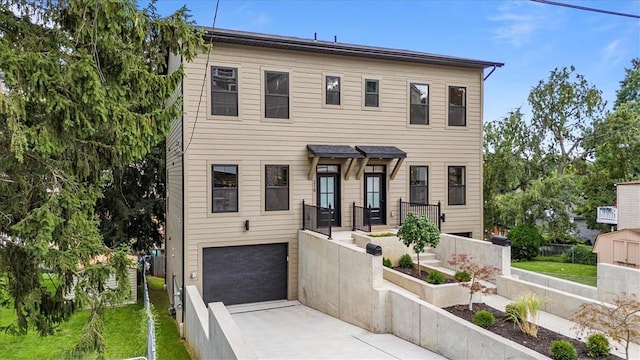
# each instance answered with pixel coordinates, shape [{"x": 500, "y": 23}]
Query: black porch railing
[
  {"x": 361, "y": 218},
  {"x": 317, "y": 219},
  {"x": 432, "y": 212}
]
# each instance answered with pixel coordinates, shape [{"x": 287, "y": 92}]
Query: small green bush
[
  {"x": 513, "y": 313},
  {"x": 405, "y": 261},
  {"x": 484, "y": 318},
  {"x": 579, "y": 254},
  {"x": 435, "y": 278},
  {"x": 563, "y": 350},
  {"x": 525, "y": 242},
  {"x": 597, "y": 345},
  {"x": 386, "y": 262},
  {"x": 462, "y": 276}
]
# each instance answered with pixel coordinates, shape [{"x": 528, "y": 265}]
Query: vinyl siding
[
  {"x": 250, "y": 141},
  {"x": 629, "y": 206},
  {"x": 174, "y": 203}
]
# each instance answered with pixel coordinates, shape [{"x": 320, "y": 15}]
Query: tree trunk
[{"x": 419, "y": 273}]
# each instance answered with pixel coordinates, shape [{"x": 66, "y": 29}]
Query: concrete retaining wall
[
  {"x": 212, "y": 333},
  {"x": 614, "y": 279},
  {"x": 483, "y": 252},
  {"x": 556, "y": 283},
  {"x": 437, "y": 330},
  {"x": 340, "y": 279},
  {"x": 557, "y": 302},
  {"x": 442, "y": 295},
  {"x": 392, "y": 247}
]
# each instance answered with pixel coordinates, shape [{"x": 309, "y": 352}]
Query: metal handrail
[
  {"x": 317, "y": 219},
  {"x": 361, "y": 218},
  {"x": 432, "y": 211}
]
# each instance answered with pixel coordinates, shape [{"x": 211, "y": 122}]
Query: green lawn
[
  {"x": 124, "y": 333},
  {"x": 168, "y": 343},
  {"x": 584, "y": 274}
]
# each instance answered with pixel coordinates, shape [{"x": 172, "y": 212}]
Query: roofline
[{"x": 336, "y": 48}]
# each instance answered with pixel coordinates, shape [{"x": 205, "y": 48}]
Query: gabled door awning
[
  {"x": 381, "y": 152},
  {"x": 317, "y": 152}
]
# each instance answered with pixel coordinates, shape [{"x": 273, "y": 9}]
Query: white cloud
[
  {"x": 519, "y": 22},
  {"x": 612, "y": 53},
  {"x": 252, "y": 17}
]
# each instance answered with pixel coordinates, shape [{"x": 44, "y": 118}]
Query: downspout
[
  {"x": 490, "y": 72},
  {"x": 182, "y": 170}
]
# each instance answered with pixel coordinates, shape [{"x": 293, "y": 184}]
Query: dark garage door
[{"x": 244, "y": 274}]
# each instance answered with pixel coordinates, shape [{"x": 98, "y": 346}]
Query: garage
[{"x": 244, "y": 274}]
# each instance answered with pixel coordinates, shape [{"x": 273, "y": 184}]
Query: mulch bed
[
  {"x": 414, "y": 272},
  {"x": 506, "y": 329}
]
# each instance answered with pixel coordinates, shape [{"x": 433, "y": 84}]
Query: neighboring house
[
  {"x": 272, "y": 121},
  {"x": 622, "y": 247}
]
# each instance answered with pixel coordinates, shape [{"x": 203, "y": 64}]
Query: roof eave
[{"x": 335, "y": 48}]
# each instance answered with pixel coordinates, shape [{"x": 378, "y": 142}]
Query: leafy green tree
[
  {"x": 84, "y": 90},
  {"x": 418, "y": 231},
  {"x": 564, "y": 108},
  {"x": 614, "y": 145}
]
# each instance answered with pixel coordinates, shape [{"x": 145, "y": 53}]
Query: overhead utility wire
[
  {"x": 587, "y": 8},
  {"x": 204, "y": 80}
]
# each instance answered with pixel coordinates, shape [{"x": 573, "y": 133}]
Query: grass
[
  {"x": 124, "y": 332},
  {"x": 119, "y": 344},
  {"x": 580, "y": 273},
  {"x": 168, "y": 343}
]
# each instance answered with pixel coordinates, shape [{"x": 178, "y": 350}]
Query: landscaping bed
[
  {"x": 508, "y": 330},
  {"x": 414, "y": 273}
]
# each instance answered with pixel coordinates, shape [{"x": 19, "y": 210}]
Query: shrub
[
  {"x": 484, "y": 318},
  {"x": 386, "y": 262},
  {"x": 435, "y": 278},
  {"x": 405, "y": 261},
  {"x": 579, "y": 254},
  {"x": 597, "y": 345},
  {"x": 563, "y": 350},
  {"x": 525, "y": 242},
  {"x": 462, "y": 276},
  {"x": 512, "y": 313}
]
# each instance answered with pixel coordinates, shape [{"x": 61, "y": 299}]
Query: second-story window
[
  {"x": 224, "y": 91},
  {"x": 276, "y": 97},
  {"x": 457, "y": 185},
  {"x": 457, "y": 106},
  {"x": 419, "y": 97},
  {"x": 332, "y": 90},
  {"x": 224, "y": 188},
  {"x": 372, "y": 93}
]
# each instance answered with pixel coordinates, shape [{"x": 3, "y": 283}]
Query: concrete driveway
[{"x": 290, "y": 330}]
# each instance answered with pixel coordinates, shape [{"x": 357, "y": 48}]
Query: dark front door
[
  {"x": 244, "y": 274},
  {"x": 328, "y": 193},
  {"x": 375, "y": 194}
]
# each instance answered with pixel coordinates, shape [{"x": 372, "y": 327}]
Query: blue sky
[{"x": 530, "y": 38}]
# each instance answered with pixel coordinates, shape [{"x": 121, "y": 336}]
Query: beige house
[
  {"x": 622, "y": 247},
  {"x": 272, "y": 121}
]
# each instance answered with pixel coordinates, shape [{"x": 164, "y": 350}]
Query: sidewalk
[{"x": 562, "y": 326}]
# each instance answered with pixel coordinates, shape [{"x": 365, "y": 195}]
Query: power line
[
  {"x": 587, "y": 8},
  {"x": 204, "y": 80}
]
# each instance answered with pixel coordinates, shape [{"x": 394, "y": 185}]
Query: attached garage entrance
[{"x": 244, "y": 274}]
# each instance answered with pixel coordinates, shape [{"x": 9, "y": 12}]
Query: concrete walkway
[
  {"x": 562, "y": 326},
  {"x": 290, "y": 330}
]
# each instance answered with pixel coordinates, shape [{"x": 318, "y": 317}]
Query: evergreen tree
[{"x": 84, "y": 91}]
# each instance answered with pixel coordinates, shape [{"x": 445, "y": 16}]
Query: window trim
[
  {"x": 263, "y": 94},
  {"x": 366, "y": 78},
  {"x": 324, "y": 91},
  {"x": 239, "y": 85},
  {"x": 212, "y": 91},
  {"x": 211, "y": 191},
  {"x": 266, "y": 188},
  {"x": 411, "y": 166},
  {"x": 465, "y": 106},
  {"x": 463, "y": 186},
  {"x": 409, "y": 103}
]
